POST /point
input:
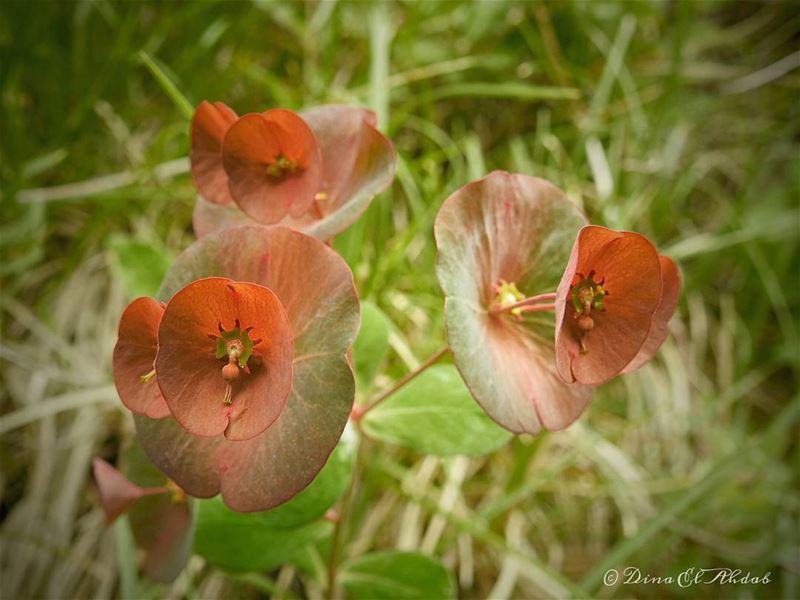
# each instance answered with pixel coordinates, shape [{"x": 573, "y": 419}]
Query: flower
[
  {"x": 225, "y": 293},
  {"x": 273, "y": 164},
  {"x": 358, "y": 162},
  {"x": 210, "y": 123},
  {"x": 117, "y": 493},
  {"x": 224, "y": 361},
  {"x": 500, "y": 240},
  {"x": 134, "y": 358},
  {"x": 159, "y": 515},
  {"x": 613, "y": 305}
]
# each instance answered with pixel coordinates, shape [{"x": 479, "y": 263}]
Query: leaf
[
  {"x": 396, "y": 575},
  {"x": 139, "y": 265},
  {"x": 315, "y": 287},
  {"x": 245, "y": 542},
  {"x": 515, "y": 229},
  {"x": 435, "y": 414},
  {"x": 372, "y": 342}
]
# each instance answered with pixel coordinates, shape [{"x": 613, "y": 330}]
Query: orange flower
[
  {"x": 224, "y": 359},
  {"x": 210, "y": 123},
  {"x": 613, "y": 305},
  {"x": 273, "y": 163}
]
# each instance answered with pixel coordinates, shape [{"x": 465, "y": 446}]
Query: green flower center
[
  {"x": 507, "y": 294},
  {"x": 588, "y": 295},
  {"x": 282, "y": 165},
  {"x": 235, "y": 345}
]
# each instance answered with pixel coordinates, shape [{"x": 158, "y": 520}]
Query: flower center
[
  {"x": 282, "y": 166},
  {"x": 587, "y": 295},
  {"x": 236, "y": 346},
  {"x": 507, "y": 293}
]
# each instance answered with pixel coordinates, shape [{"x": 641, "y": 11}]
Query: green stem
[
  {"x": 338, "y": 529},
  {"x": 359, "y": 411}
]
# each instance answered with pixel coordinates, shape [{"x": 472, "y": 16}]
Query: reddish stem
[
  {"x": 525, "y": 302},
  {"x": 537, "y": 308},
  {"x": 359, "y": 411}
]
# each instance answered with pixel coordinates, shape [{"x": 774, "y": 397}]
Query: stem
[
  {"x": 537, "y": 308},
  {"x": 338, "y": 528},
  {"x": 525, "y": 302},
  {"x": 359, "y": 411}
]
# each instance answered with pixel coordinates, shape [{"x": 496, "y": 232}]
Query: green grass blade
[{"x": 183, "y": 104}]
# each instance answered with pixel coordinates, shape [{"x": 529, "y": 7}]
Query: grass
[{"x": 679, "y": 120}]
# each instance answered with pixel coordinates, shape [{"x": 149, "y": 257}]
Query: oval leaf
[
  {"x": 140, "y": 266},
  {"x": 396, "y": 576},
  {"x": 244, "y": 542},
  {"x": 372, "y": 342},
  {"x": 435, "y": 414},
  {"x": 514, "y": 229},
  {"x": 315, "y": 287}
]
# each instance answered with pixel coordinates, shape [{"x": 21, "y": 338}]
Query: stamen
[{"x": 147, "y": 377}]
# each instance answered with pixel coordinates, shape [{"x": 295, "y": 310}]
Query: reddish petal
[
  {"x": 209, "y": 217},
  {"x": 252, "y": 145},
  {"x": 671, "y": 291},
  {"x": 210, "y": 123},
  {"x": 190, "y": 377},
  {"x": 117, "y": 494},
  {"x": 629, "y": 265},
  {"x": 358, "y": 163},
  {"x": 134, "y": 357}
]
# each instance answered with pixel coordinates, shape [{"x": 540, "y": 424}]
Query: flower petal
[
  {"x": 358, "y": 163},
  {"x": 190, "y": 376},
  {"x": 628, "y": 264},
  {"x": 253, "y": 146},
  {"x": 134, "y": 358},
  {"x": 518, "y": 229},
  {"x": 317, "y": 291},
  {"x": 671, "y": 291},
  {"x": 210, "y": 123}
]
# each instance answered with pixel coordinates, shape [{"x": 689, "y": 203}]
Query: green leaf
[
  {"x": 396, "y": 575},
  {"x": 139, "y": 265},
  {"x": 371, "y": 345},
  {"x": 435, "y": 414},
  {"x": 242, "y": 542},
  {"x": 312, "y": 502}
]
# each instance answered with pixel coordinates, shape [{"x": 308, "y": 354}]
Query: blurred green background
[{"x": 680, "y": 120}]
